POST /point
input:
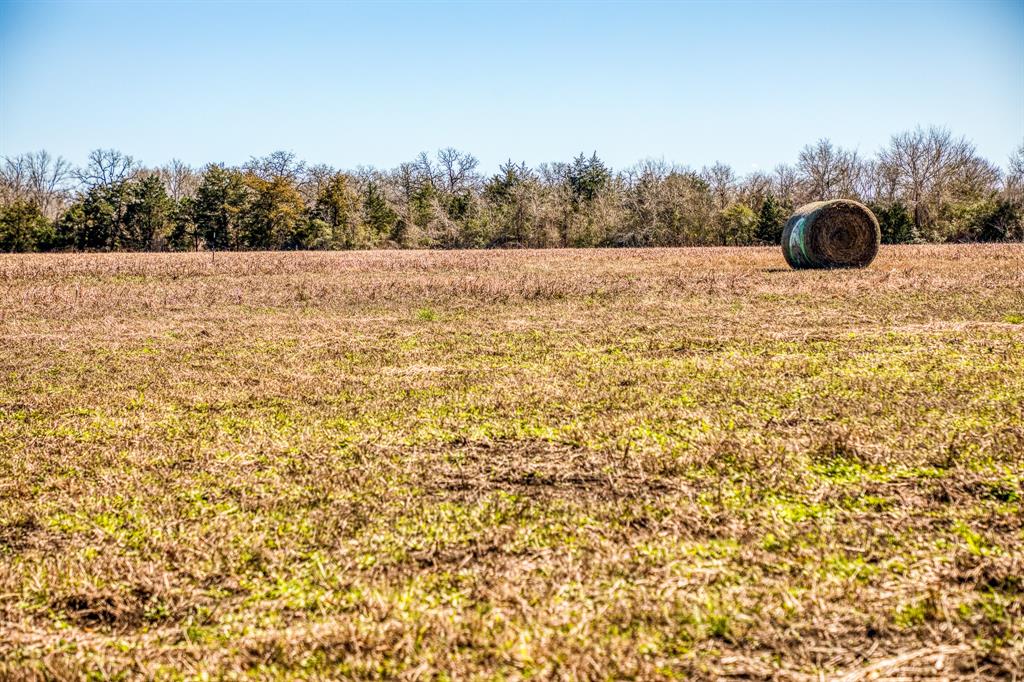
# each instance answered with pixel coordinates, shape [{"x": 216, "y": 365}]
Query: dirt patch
[{"x": 113, "y": 610}]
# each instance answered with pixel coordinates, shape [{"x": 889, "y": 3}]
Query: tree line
[{"x": 924, "y": 185}]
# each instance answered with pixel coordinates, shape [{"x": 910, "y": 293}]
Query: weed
[{"x": 642, "y": 464}]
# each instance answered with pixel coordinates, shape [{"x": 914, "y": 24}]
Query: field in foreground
[{"x": 565, "y": 464}]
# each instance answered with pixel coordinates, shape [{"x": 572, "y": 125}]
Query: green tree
[
  {"x": 770, "y": 221},
  {"x": 586, "y": 220},
  {"x": 512, "y": 194},
  {"x": 23, "y": 227},
  {"x": 147, "y": 214},
  {"x": 987, "y": 220},
  {"x": 896, "y": 223},
  {"x": 1004, "y": 223},
  {"x": 337, "y": 209},
  {"x": 96, "y": 221},
  {"x": 184, "y": 233},
  {"x": 424, "y": 212},
  {"x": 737, "y": 224},
  {"x": 219, "y": 206},
  {"x": 587, "y": 179},
  {"x": 67, "y": 226},
  {"x": 274, "y": 218},
  {"x": 378, "y": 216}
]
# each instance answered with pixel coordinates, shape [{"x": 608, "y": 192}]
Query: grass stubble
[{"x": 678, "y": 463}]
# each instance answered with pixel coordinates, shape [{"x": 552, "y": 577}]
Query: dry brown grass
[{"x": 561, "y": 464}]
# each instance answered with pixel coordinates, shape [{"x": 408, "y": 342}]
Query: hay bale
[{"x": 831, "y": 234}]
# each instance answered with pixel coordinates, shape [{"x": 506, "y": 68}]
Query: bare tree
[
  {"x": 672, "y": 205},
  {"x": 785, "y": 184},
  {"x": 404, "y": 180},
  {"x": 279, "y": 164},
  {"x": 180, "y": 180},
  {"x": 13, "y": 179},
  {"x": 722, "y": 182},
  {"x": 925, "y": 165},
  {"x": 866, "y": 183},
  {"x": 314, "y": 180},
  {"x": 457, "y": 170},
  {"x": 977, "y": 178},
  {"x": 553, "y": 174},
  {"x": 880, "y": 183},
  {"x": 1013, "y": 184},
  {"x": 423, "y": 171},
  {"x": 36, "y": 177},
  {"x": 828, "y": 172},
  {"x": 644, "y": 194},
  {"x": 754, "y": 188},
  {"x": 48, "y": 177},
  {"x": 106, "y": 167}
]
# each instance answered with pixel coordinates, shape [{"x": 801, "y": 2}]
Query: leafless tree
[
  {"x": 785, "y": 184},
  {"x": 644, "y": 194},
  {"x": 672, "y": 205},
  {"x": 180, "y": 180},
  {"x": 457, "y": 170},
  {"x": 880, "y": 183},
  {"x": 405, "y": 181},
  {"x": 1013, "y": 183},
  {"x": 314, "y": 180},
  {"x": 423, "y": 171},
  {"x": 828, "y": 172},
  {"x": 976, "y": 179},
  {"x": 279, "y": 164},
  {"x": 106, "y": 167},
  {"x": 754, "y": 188},
  {"x": 48, "y": 180},
  {"x": 865, "y": 184},
  {"x": 927, "y": 165},
  {"x": 13, "y": 179},
  {"x": 722, "y": 182},
  {"x": 36, "y": 177}
]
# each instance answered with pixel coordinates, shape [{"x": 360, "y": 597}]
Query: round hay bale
[{"x": 831, "y": 234}]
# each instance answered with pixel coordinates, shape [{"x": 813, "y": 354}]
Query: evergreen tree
[
  {"x": 770, "y": 221},
  {"x": 512, "y": 196},
  {"x": 424, "y": 206},
  {"x": 896, "y": 224},
  {"x": 67, "y": 226},
  {"x": 218, "y": 207},
  {"x": 147, "y": 213},
  {"x": 184, "y": 233},
  {"x": 587, "y": 178},
  {"x": 1005, "y": 222},
  {"x": 380, "y": 219},
  {"x": 96, "y": 221},
  {"x": 337, "y": 210},
  {"x": 23, "y": 227}
]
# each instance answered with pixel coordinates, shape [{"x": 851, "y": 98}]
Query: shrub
[
  {"x": 896, "y": 223},
  {"x": 23, "y": 227}
]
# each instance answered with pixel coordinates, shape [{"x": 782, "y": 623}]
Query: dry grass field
[{"x": 681, "y": 463}]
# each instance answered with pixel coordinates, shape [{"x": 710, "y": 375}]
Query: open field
[{"x": 562, "y": 464}]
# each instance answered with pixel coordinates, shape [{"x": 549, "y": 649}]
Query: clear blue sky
[{"x": 748, "y": 83}]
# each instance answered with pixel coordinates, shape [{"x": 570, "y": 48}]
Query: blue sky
[{"x": 748, "y": 83}]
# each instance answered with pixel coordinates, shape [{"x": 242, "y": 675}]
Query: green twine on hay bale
[{"x": 831, "y": 234}]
